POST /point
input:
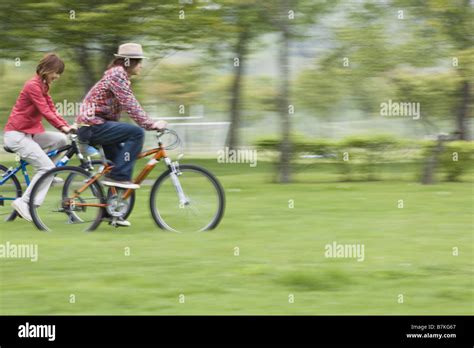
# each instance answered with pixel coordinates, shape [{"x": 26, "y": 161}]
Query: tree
[
  {"x": 90, "y": 31},
  {"x": 289, "y": 18},
  {"x": 233, "y": 25},
  {"x": 452, "y": 21},
  {"x": 383, "y": 44}
]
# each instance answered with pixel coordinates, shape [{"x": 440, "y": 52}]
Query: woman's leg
[
  {"x": 30, "y": 151},
  {"x": 50, "y": 140}
]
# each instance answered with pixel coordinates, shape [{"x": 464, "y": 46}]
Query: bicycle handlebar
[
  {"x": 177, "y": 140},
  {"x": 159, "y": 133}
]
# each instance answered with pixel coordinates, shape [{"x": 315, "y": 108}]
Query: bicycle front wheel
[
  {"x": 64, "y": 199},
  {"x": 203, "y": 205}
]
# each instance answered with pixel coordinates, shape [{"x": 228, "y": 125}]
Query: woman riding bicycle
[
  {"x": 100, "y": 114},
  {"x": 24, "y": 132}
]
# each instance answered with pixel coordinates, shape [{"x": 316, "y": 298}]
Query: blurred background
[
  {"x": 278, "y": 74},
  {"x": 353, "y": 104}
]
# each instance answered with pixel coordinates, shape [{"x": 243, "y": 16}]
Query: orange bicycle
[{"x": 184, "y": 197}]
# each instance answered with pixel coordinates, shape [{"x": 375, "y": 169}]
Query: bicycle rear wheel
[
  {"x": 126, "y": 206},
  {"x": 9, "y": 191},
  {"x": 204, "y": 205},
  {"x": 75, "y": 207}
]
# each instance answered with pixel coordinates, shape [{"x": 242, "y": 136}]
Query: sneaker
[
  {"x": 57, "y": 180},
  {"x": 123, "y": 223},
  {"x": 118, "y": 222},
  {"x": 22, "y": 208},
  {"x": 120, "y": 183}
]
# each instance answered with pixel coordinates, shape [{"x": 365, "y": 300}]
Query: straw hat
[{"x": 130, "y": 50}]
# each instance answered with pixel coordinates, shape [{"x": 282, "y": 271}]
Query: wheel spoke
[
  {"x": 9, "y": 191},
  {"x": 205, "y": 201},
  {"x": 63, "y": 208}
]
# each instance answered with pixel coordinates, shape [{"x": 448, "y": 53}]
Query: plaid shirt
[{"x": 109, "y": 96}]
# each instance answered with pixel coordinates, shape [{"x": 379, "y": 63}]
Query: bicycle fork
[{"x": 175, "y": 172}]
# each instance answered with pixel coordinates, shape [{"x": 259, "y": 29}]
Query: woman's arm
[{"x": 45, "y": 105}]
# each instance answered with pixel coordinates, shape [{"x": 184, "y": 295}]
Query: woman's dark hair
[
  {"x": 128, "y": 63},
  {"x": 50, "y": 63}
]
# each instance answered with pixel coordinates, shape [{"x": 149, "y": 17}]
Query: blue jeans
[{"x": 122, "y": 142}]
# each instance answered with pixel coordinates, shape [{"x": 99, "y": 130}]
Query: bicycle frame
[
  {"x": 22, "y": 166},
  {"x": 158, "y": 153}
]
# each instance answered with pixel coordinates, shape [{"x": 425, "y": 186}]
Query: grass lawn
[{"x": 281, "y": 254}]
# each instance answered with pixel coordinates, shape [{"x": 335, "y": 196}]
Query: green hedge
[
  {"x": 365, "y": 151},
  {"x": 300, "y": 145},
  {"x": 456, "y": 159}
]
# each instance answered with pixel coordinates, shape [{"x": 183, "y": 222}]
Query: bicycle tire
[
  {"x": 18, "y": 190},
  {"x": 96, "y": 187},
  {"x": 99, "y": 162},
  {"x": 220, "y": 191}
]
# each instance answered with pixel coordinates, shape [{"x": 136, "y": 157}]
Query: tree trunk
[
  {"x": 236, "y": 91},
  {"x": 463, "y": 113},
  {"x": 432, "y": 162},
  {"x": 87, "y": 73},
  {"x": 284, "y": 171}
]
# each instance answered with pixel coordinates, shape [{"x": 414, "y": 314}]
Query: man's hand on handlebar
[{"x": 160, "y": 125}]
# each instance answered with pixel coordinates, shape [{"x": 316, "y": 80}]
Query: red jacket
[{"x": 32, "y": 104}]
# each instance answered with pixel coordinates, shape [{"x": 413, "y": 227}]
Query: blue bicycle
[{"x": 10, "y": 186}]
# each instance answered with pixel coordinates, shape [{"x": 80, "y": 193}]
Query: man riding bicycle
[{"x": 100, "y": 114}]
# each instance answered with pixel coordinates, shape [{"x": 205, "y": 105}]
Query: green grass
[{"x": 408, "y": 251}]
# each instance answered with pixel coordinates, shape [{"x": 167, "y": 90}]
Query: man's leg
[
  {"x": 111, "y": 151},
  {"x": 111, "y": 135},
  {"x": 115, "y": 133}
]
